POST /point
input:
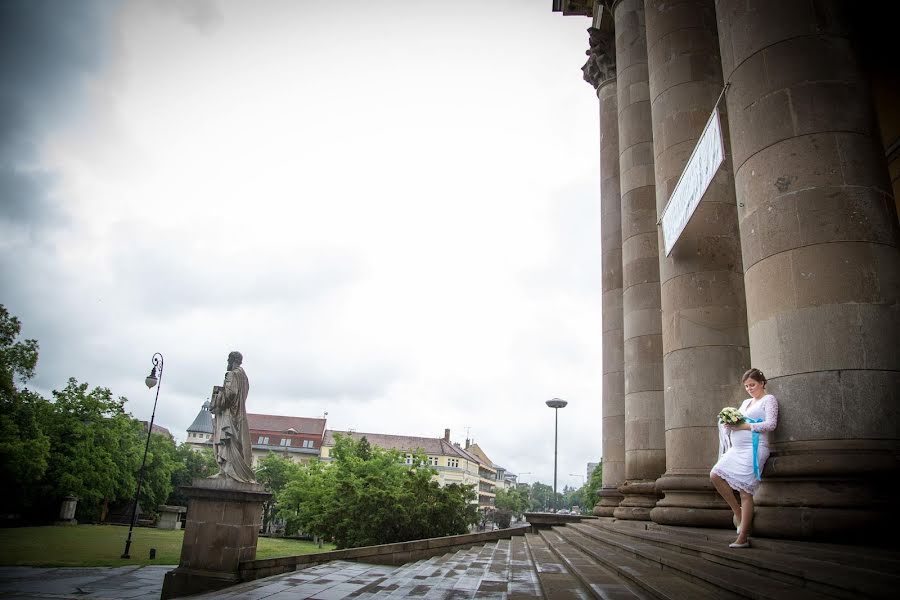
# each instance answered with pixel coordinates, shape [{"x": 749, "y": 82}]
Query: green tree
[
  {"x": 24, "y": 447},
  {"x": 369, "y": 496},
  {"x": 592, "y": 488},
  {"x": 541, "y": 496},
  {"x": 162, "y": 462},
  {"x": 95, "y": 448},
  {"x": 274, "y": 472},
  {"x": 17, "y": 359},
  {"x": 514, "y": 500},
  {"x": 189, "y": 465}
]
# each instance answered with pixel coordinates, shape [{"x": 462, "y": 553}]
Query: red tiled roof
[
  {"x": 403, "y": 443},
  {"x": 280, "y": 424}
]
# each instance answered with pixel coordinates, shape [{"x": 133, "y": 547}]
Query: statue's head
[{"x": 235, "y": 359}]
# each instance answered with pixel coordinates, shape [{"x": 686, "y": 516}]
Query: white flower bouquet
[{"x": 730, "y": 416}]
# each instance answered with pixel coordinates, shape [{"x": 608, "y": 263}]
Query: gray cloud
[
  {"x": 46, "y": 50},
  {"x": 204, "y": 15}
]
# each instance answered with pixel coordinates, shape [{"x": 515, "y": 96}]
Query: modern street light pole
[
  {"x": 555, "y": 404},
  {"x": 151, "y": 380}
]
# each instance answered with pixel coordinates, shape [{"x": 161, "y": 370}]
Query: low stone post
[
  {"x": 67, "y": 511},
  {"x": 223, "y": 521},
  {"x": 170, "y": 516}
]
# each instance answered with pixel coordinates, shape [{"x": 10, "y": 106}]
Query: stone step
[
  {"x": 556, "y": 581},
  {"x": 386, "y": 586},
  {"x": 335, "y": 578},
  {"x": 599, "y": 581},
  {"x": 797, "y": 565},
  {"x": 884, "y": 560},
  {"x": 716, "y": 578},
  {"x": 651, "y": 578},
  {"x": 522, "y": 583},
  {"x": 460, "y": 574}
]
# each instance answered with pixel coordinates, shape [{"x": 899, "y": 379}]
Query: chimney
[
  {"x": 447, "y": 435},
  {"x": 467, "y": 443}
]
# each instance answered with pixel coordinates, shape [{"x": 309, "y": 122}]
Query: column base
[
  {"x": 831, "y": 490},
  {"x": 639, "y": 499},
  {"x": 609, "y": 500},
  {"x": 690, "y": 501}
]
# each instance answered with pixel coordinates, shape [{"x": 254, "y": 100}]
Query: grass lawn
[{"x": 102, "y": 545}]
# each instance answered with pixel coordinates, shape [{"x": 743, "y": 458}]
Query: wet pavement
[{"x": 98, "y": 583}]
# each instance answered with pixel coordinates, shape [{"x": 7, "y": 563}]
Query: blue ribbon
[{"x": 755, "y": 438}]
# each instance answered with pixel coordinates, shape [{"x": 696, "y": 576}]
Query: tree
[
  {"x": 190, "y": 464},
  {"x": 592, "y": 488},
  {"x": 162, "y": 462},
  {"x": 95, "y": 449},
  {"x": 24, "y": 447},
  {"x": 274, "y": 472},
  {"x": 17, "y": 359},
  {"x": 541, "y": 496},
  {"x": 369, "y": 495},
  {"x": 514, "y": 500}
]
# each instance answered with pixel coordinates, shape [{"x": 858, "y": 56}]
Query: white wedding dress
[{"x": 735, "y": 463}]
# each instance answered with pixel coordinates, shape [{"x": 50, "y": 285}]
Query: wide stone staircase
[{"x": 604, "y": 558}]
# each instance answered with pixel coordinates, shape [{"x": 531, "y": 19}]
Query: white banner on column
[{"x": 701, "y": 167}]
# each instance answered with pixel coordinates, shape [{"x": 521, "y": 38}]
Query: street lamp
[
  {"x": 555, "y": 404},
  {"x": 153, "y": 379}
]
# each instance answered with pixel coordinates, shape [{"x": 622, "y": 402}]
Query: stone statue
[{"x": 231, "y": 432}]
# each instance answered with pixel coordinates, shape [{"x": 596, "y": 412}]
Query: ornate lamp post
[
  {"x": 555, "y": 404},
  {"x": 152, "y": 380}
]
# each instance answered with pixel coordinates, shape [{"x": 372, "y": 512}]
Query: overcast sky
[{"x": 390, "y": 208}]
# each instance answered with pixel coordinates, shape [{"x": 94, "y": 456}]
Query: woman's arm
[{"x": 771, "y": 417}]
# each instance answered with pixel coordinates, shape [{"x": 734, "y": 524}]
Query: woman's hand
[{"x": 738, "y": 427}]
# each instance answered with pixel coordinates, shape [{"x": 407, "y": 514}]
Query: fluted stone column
[
  {"x": 820, "y": 240},
  {"x": 644, "y": 420},
  {"x": 704, "y": 317},
  {"x": 600, "y": 72}
]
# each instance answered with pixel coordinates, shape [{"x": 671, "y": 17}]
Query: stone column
[
  {"x": 645, "y": 457},
  {"x": 704, "y": 316},
  {"x": 600, "y": 71},
  {"x": 820, "y": 240}
]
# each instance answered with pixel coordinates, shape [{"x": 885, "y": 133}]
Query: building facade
[
  {"x": 790, "y": 263},
  {"x": 296, "y": 438}
]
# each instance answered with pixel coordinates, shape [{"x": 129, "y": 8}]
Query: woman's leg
[
  {"x": 747, "y": 519},
  {"x": 727, "y": 493}
]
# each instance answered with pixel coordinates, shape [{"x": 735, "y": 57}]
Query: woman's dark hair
[{"x": 755, "y": 375}]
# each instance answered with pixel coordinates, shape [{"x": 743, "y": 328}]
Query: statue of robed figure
[{"x": 231, "y": 431}]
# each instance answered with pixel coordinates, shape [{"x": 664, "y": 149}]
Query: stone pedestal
[
  {"x": 820, "y": 241},
  {"x": 170, "y": 516},
  {"x": 645, "y": 454},
  {"x": 704, "y": 317},
  {"x": 223, "y": 522},
  {"x": 67, "y": 511}
]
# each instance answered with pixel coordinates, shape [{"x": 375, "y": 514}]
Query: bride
[{"x": 739, "y": 468}]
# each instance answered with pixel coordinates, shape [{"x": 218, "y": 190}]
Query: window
[
  {"x": 433, "y": 461},
  {"x": 285, "y": 441},
  {"x": 263, "y": 439},
  {"x": 308, "y": 444},
  {"x": 409, "y": 459},
  {"x": 453, "y": 463}
]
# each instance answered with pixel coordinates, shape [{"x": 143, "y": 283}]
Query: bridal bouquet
[{"x": 730, "y": 416}]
